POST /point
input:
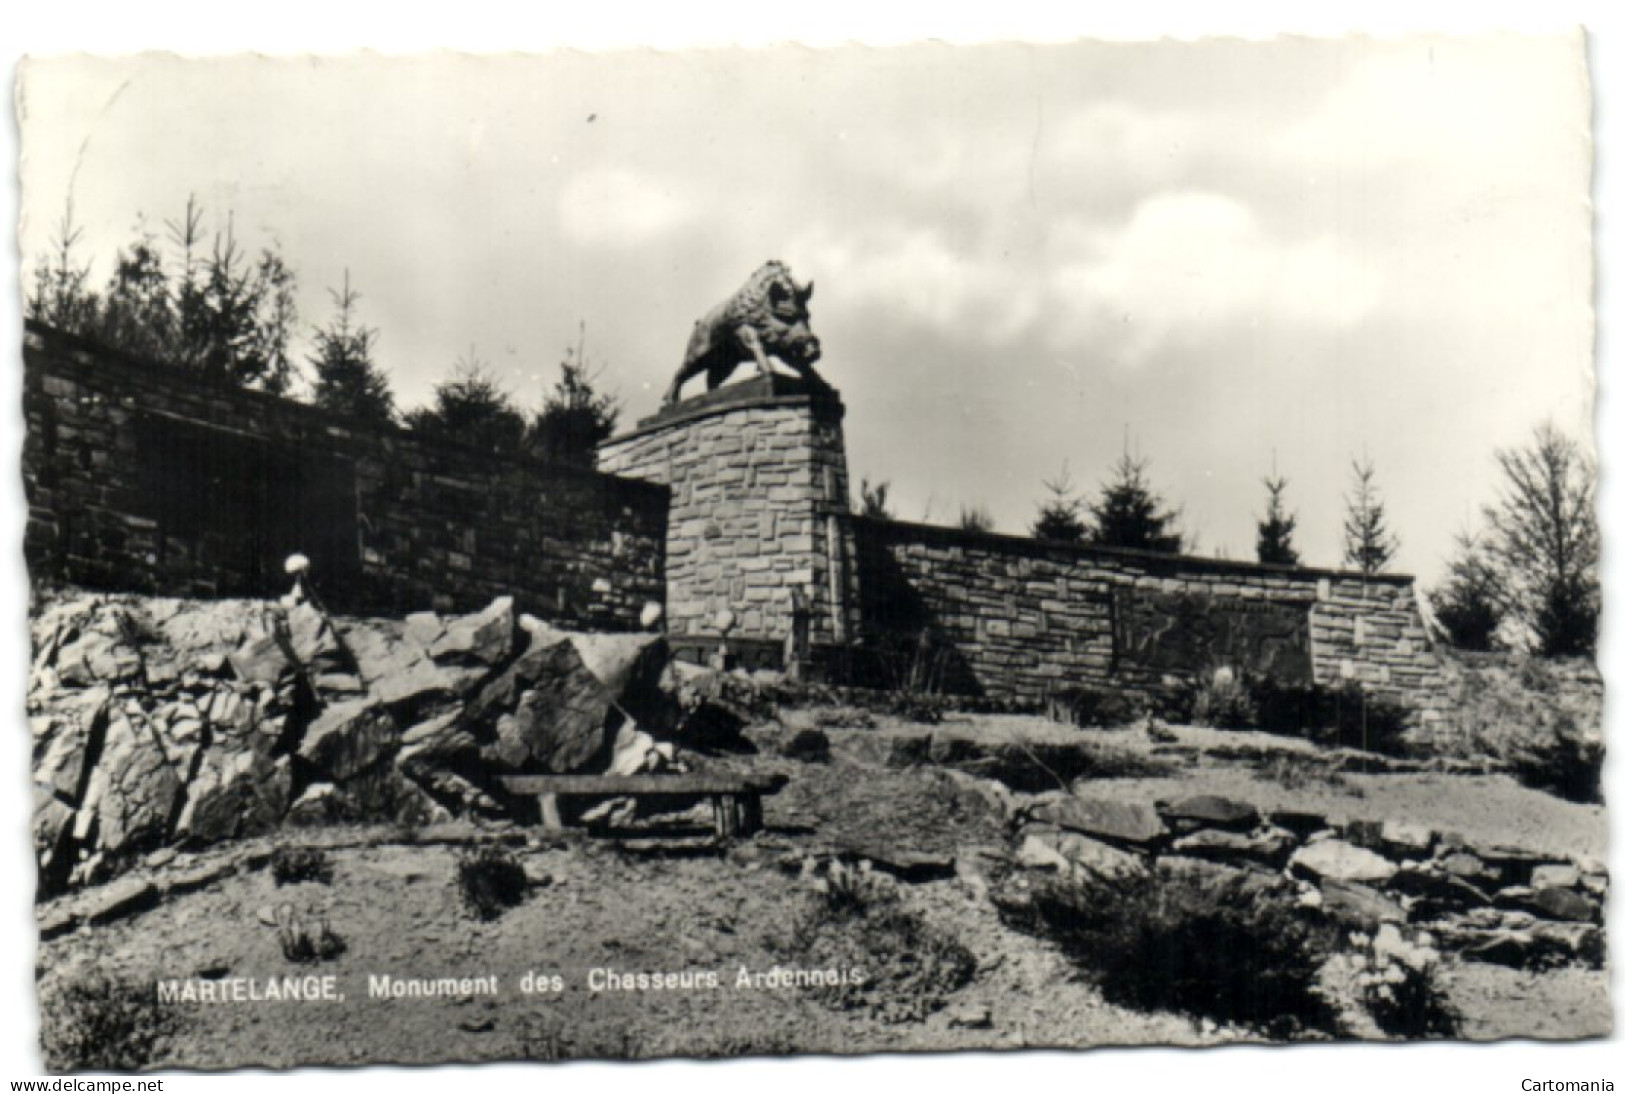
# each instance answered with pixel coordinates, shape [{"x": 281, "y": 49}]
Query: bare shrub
[
  {"x": 491, "y": 880},
  {"x": 306, "y": 942}
]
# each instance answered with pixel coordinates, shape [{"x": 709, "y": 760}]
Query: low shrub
[
  {"x": 101, "y": 1023},
  {"x": 1235, "y": 952},
  {"x": 896, "y": 967},
  {"x": 290, "y": 865},
  {"x": 1223, "y": 698},
  {"x": 491, "y": 880},
  {"x": 1399, "y": 985},
  {"x": 1562, "y": 761},
  {"x": 807, "y": 745}
]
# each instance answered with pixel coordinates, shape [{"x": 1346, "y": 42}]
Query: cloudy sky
[{"x": 1225, "y": 255}]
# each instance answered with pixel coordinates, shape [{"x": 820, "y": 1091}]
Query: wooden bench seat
[{"x": 736, "y": 801}]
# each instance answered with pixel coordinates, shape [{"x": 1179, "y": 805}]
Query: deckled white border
[{"x": 300, "y": 26}]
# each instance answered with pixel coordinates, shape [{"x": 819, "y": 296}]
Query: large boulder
[
  {"x": 134, "y": 790},
  {"x": 1119, "y": 822},
  {"x": 1360, "y": 905},
  {"x": 235, "y": 793},
  {"x": 1212, "y": 811},
  {"x": 1269, "y": 846},
  {"x": 64, "y": 737},
  {"x": 631, "y": 667},
  {"x": 395, "y": 665},
  {"x": 261, "y": 659},
  {"x": 547, "y": 711},
  {"x": 314, "y": 640},
  {"x": 348, "y": 738},
  {"x": 1339, "y": 860},
  {"x": 104, "y": 654},
  {"x": 1072, "y": 853},
  {"x": 484, "y": 639},
  {"x": 52, "y": 830}
]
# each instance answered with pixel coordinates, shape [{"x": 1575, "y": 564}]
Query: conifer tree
[
  {"x": 1130, "y": 514},
  {"x": 1061, "y": 517},
  {"x": 1469, "y": 603},
  {"x": 1276, "y": 528},
  {"x": 347, "y": 380},
  {"x": 575, "y": 418},
  {"x": 471, "y": 408},
  {"x": 1368, "y": 544}
]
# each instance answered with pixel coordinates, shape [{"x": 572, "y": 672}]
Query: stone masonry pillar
[{"x": 759, "y": 510}]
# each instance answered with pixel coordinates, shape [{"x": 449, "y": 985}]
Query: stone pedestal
[{"x": 759, "y": 522}]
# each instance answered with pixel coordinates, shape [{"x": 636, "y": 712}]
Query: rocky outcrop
[{"x": 163, "y": 721}]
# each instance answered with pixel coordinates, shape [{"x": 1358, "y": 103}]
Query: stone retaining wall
[
  {"x": 1020, "y": 618},
  {"x": 142, "y": 478}
]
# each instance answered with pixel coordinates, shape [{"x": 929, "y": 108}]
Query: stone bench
[{"x": 736, "y": 801}]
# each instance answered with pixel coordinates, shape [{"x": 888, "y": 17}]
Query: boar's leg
[
  {"x": 753, "y": 345},
  {"x": 672, "y": 392}
]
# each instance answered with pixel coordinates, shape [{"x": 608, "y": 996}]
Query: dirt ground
[{"x": 645, "y": 907}]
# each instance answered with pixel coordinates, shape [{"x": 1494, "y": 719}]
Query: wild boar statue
[{"x": 767, "y": 316}]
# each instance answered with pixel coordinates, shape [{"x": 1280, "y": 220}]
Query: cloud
[
  {"x": 1183, "y": 267},
  {"x": 619, "y": 208},
  {"x": 1489, "y": 100},
  {"x": 1187, "y": 264},
  {"x": 915, "y": 277}
]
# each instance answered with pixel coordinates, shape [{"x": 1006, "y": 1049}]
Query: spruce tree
[
  {"x": 1130, "y": 514},
  {"x": 1368, "y": 544},
  {"x": 1469, "y": 603},
  {"x": 347, "y": 380},
  {"x": 1276, "y": 528},
  {"x": 575, "y": 418},
  {"x": 472, "y": 409},
  {"x": 1061, "y": 517}
]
